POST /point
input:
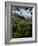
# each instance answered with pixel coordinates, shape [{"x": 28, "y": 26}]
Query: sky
[{"x": 22, "y": 11}]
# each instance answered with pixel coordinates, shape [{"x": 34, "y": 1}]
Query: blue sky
[{"x": 24, "y": 11}]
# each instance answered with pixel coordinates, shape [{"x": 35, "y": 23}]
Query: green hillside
[{"x": 21, "y": 26}]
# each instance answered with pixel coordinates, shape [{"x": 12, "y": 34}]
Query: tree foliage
[{"x": 21, "y": 27}]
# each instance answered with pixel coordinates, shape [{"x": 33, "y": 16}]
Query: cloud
[{"x": 26, "y": 12}]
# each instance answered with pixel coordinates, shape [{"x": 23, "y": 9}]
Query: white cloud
[{"x": 24, "y": 12}]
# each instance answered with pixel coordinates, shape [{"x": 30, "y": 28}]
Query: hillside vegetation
[{"x": 22, "y": 27}]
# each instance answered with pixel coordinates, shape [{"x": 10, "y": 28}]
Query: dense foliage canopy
[{"x": 22, "y": 27}]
